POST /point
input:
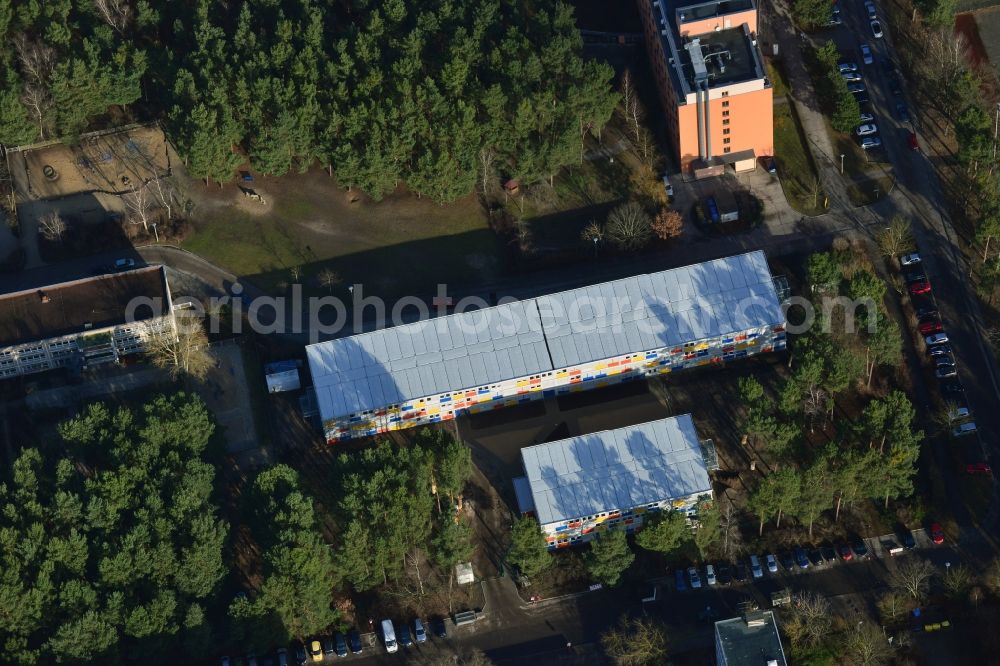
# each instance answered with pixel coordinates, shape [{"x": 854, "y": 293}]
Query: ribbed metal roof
[
  {"x": 483, "y": 347},
  {"x": 615, "y": 469}
]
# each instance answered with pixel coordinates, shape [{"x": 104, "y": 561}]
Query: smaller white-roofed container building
[
  {"x": 581, "y": 486},
  {"x": 574, "y": 340}
]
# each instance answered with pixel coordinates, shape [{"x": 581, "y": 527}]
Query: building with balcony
[
  {"x": 712, "y": 82},
  {"x": 83, "y": 323}
]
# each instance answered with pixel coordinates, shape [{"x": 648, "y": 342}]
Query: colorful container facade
[{"x": 651, "y": 324}]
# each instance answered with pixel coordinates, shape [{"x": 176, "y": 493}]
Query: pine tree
[
  {"x": 528, "y": 550},
  {"x": 609, "y": 557}
]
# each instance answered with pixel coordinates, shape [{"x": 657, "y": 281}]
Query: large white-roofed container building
[
  {"x": 570, "y": 341},
  {"x": 581, "y": 486}
]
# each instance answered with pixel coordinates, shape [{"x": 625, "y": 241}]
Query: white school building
[{"x": 657, "y": 323}]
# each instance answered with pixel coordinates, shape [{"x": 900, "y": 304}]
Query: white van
[{"x": 389, "y": 636}]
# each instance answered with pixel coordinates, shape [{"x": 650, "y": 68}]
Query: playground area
[{"x": 110, "y": 162}]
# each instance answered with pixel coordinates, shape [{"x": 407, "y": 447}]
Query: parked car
[
  {"x": 300, "y": 654},
  {"x": 710, "y": 575},
  {"x": 851, "y": 77},
  {"x": 787, "y": 560},
  {"x": 845, "y": 66},
  {"x": 924, "y": 309},
  {"x": 755, "y": 568},
  {"x": 945, "y": 373},
  {"x": 866, "y": 54},
  {"x": 861, "y": 98},
  {"x": 892, "y": 548},
  {"x": 828, "y": 554},
  {"x": 739, "y": 572},
  {"x": 978, "y": 468},
  {"x": 929, "y": 327},
  {"x": 340, "y": 643},
  {"x": 328, "y": 648},
  {"x": 438, "y": 627},
  {"x": 915, "y": 275},
  {"x": 801, "y": 559},
  {"x": 964, "y": 429},
  {"x": 919, "y": 288},
  {"x": 867, "y": 118},
  {"x": 668, "y": 188},
  {"x": 845, "y": 552},
  {"x": 936, "y": 534},
  {"x": 952, "y": 388},
  {"x": 870, "y": 142},
  {"x": 909, "y": 259},
  {"x": 124, "y": 265},
  {"x": 404, "y": 635},
  {"x": 282, "y": 656},
  {"x": 856, "y": 87},
  {"x": 724, "y": 574},
  {"x": 419, "y": 632},
  {"x": 772, "y": 563},
  {"x": 870, "y": 8},
  {"x": 834, "y": 20},
  {"x": 815, "y": 557},
  {"x": 876, "y": 29},
  {"x": 354, "y": 638},
  {"x": 695, "y": 578},
  {"x": 936, "y": 339},
  {"x": 679, "y": 583},
  {"x": 902, "y": 113},
  {"x": 912, "y": 140},
  {"x": 906, "y": 538},
  {"x": 957, "y": 412},
  {"x": 867, "y": 129},
  {"x": 944, "y": 362},
  {"x": 860, "y": 549},
  {"x": 389, "y": 636}
]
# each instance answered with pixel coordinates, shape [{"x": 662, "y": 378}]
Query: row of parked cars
[
  {"x": 939, "y": 348},
  {"x": 799, "y": 558},
  {"x": 319, "y": 649}
]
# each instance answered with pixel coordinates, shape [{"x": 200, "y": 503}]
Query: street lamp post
[
  {"x": 996, "y": 128},
  {"x": 595, "y": 245},
  {"x": 842, "y": 164}
]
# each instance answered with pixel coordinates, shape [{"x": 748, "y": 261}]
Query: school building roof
[
  {"x": 482, "y": 347},
  {"x": 751, "y": 640},
  {"x": 615, "y": 469}
]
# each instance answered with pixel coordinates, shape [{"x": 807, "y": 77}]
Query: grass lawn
[
  {"x": 795, "y": 166},
  {"x": 401, "y": 245},
  {"x": 779, "y": 84}
]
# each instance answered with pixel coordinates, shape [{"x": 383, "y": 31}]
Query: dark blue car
[
  {"x": 801, "y": 559},
  {"x": 340, "y": 644},
  {"x": 680, "y": 581},
  {"x": 354, "y": 638}
]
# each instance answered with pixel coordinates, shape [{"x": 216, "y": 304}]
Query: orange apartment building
[{"x": 712, "y": 82}]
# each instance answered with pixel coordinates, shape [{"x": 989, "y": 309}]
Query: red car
[
  {"x": 978, "y": 468},
  {"x": 920, "y": 288},
  {"x": 937, "y": 534},
  {"x": 913, "y": 141},
  {"x": 845, "y": 552},
  {"x": 929, "y": 327}
]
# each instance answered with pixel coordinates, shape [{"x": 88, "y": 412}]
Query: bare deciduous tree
[
  {"x": 182, "y": 349},
  {"x": 52, "y": 226},
  {"x": 895, "y": 239},
  {"x": 892, "y": 606},
  {"x": 37, "y": 58},
  {"x": 632, "y": 110},
  {"x": 629, "y": 226},
  {"x": 36, "y": 97},
  {"x": 592, "y": 231},
  {"x": 115, "y": 13},
  {"x": 636, "y": 642},
  {"x": 164, "y": 192},
  {"x": 868, "y": 645},
  {"x": 487, "y": 155},
  {"x": 139, "y": 204},
  {"x": 329, "y": 278},
  {"x": 912, "y": 577},
  {"x": 810, "y": 621}
]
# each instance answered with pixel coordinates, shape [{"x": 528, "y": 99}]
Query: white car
[
  {"x": 867, "y": 130},
  {"x": 870, "y": 8},
  {"x": 936, "y": 339},
  {"x": 668, "y": 187},
  {"x": 847, "y": 67},
  {"x": 910, "y": 259},
  {"x": 710, "y": 574},
  {"x": 867, "y": 118},
  {"x": 695, "y": 579},
  {"x": 850, "y": 77},
  {"x": 772, "y": 563},
  {"x": 876, "y": 29},
  {"x": 870, "y": 142}
]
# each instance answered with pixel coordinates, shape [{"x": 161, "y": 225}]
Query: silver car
[
  {"x": 876, "y": 29},
  {"x": 867, "y": 130},
  {"x": 870, "y": 142},
  {"x": 851, "y": 77}
]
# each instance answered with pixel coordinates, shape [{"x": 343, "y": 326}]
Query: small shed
[
  {"x": 282, "y": 376},
  {"x": 464, "y": 574}
]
